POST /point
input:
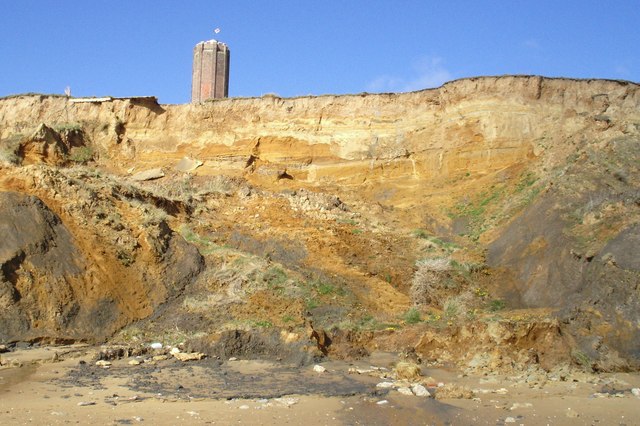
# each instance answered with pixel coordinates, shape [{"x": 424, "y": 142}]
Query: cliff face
[
  {"x": 474, "y": 125},
  {"x": 533, "y": 179}
]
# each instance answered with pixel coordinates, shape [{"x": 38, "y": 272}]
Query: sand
[{"x": 62, "y": 385}]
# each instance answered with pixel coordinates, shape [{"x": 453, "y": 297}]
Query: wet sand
[{"x": 73, "y": 390}]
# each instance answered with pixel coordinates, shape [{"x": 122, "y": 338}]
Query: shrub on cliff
[{"x": 428, "y": 284}]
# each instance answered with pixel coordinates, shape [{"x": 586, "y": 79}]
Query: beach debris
[
  {"x": 517, "y": 405},
  {"x": 419, "y": 390},
  {"x": 384, "y": 385},
  {"x": 453, "y": 391},
  {"x": 572, "y": 414},
  {"x": 286, "y": 401},
  {"x": 184, "y": 357},
  {"x": 319, "y": 369},
  {"x": 407, "y": 370},
  {"x": 405, "y": 391}
]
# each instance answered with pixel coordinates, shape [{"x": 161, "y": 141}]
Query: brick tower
[{"x": 210, "y": 78}]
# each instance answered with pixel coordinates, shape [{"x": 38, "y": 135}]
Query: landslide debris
[{"x": 83, "y": 272}]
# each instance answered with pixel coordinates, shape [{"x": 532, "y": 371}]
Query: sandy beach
[{"x": 63, "y": 385}]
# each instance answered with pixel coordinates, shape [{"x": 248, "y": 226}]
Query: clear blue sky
[{"x": 297, "y": 47}]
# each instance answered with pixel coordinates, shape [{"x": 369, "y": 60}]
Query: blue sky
[{"x": 291, "y": 48}]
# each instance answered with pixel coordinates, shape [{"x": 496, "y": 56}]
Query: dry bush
[
  {"x": 427, "y": 286},
  {"x": 457, "y": 306},
  {"x": 407, "y": 371}
]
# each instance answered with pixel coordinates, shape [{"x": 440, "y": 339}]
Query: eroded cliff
[{"x": 356, "y": 212}]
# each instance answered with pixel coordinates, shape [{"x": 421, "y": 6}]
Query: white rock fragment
[
  {"x": 102, "y": 363},
  {"x": 174, "y": 351},
  {"x": 86, "y": 403},
  {"x": 501, "y": 391},
  {"x": 319, "y": 369},
  {"x": 148, "y": 175},
  {"x": 517, "y": 405},
  {"x": 384, "y": 385},
  {"x": 233, "y": 358},
  {"x": 286, "y": 401},
  {"x": 188, "y": 164},
  {"x": 571, "y": 414},
  {"x": 405, "y": 391},
  {"x": 636, "y": 392},
  {"x": 134, "y": 362},
  {"x": 510, "y": 420},
  {"x": 156, "y": 345},
  {"x": 383, "y": 402},
  {"x": 420, "y": 390},
  {"x": 243, "y": 407}
]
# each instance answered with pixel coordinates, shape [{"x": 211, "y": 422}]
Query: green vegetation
[
  {"x": 81, "y": 154},
  {"x": 9, "y": 149},
  {"x": 262, "y": 324},
  {"x": 325, "y": 288},
  {"x": 367, "y": 323},
  {"x": 497, "y": 305},
  {"x": 447, "y": 246},
  {"x": 421, "y": 233},
  {"x": 525, "y": 182},
  {"x": 67, "y": 127},
  {"x": 204, "y": 245},
  {"x": 412, "y": 316},
  {"x": 311, "y": 303},
  {"x": 275, "y": 277},
  {"x": 495, "y": 204},
  {"x": 287, "y": 319},
  {"x": 582, "y": 359}
]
